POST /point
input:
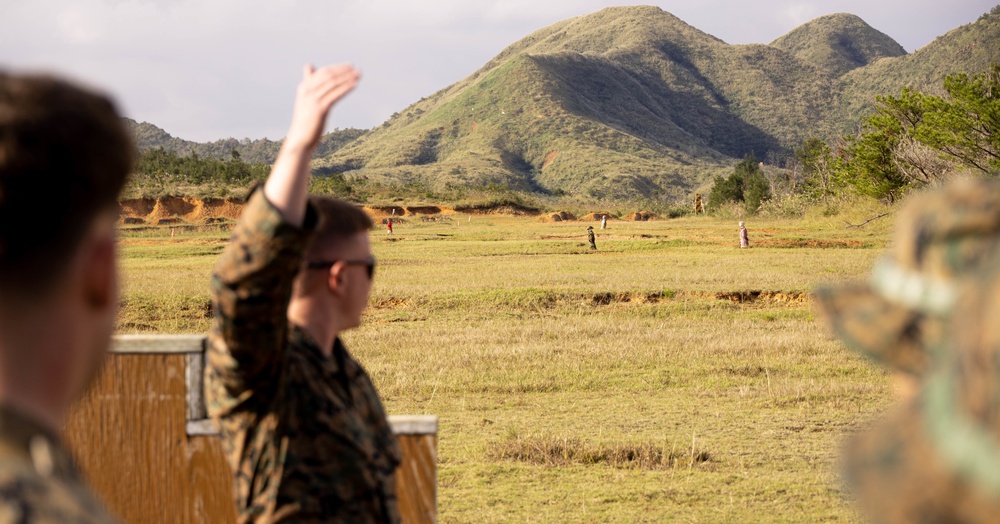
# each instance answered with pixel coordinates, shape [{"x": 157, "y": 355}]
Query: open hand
[{"x": 317, "y": 92}]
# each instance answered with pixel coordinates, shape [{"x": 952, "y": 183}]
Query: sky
[{"x": 210, "y": 69}]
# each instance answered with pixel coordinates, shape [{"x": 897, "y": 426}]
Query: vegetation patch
[
  {"x": 812, "y": 243},
  {"x": 567, "y": 451},
  {"x": 509, "y": 207}
]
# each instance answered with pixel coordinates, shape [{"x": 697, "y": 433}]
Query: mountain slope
[
  {"x": 632, "y": 101},
  {"x": 623, "y": 102},
  {"x": 148, "y": 136},
  {"x": 839, "y": 43},
  {"x": 970, "y": 48}
]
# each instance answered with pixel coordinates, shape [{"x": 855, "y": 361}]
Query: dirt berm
[
  {"x": 174, "y": 209},
  {"x": 184, "y": 209}
]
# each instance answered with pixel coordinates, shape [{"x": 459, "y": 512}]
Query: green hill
[
  {"x": 147, "y": 136},
  {"x": 970, "y": 48},
  {"x": 632, "y": 101},
  {"x": 839, "y": 43}
]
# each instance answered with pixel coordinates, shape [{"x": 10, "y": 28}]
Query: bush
[{"x": 745, "y": 185}]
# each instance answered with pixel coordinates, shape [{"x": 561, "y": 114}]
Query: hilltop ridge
[
  {"x": 633, "y": 102},
  {"x": 839, "y": 43},
  {"x": 148, "y": 136}
]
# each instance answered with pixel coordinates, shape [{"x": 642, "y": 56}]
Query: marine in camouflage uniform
[
  {"x": 929, "y": 314},
  {"x": 58, "y": 283},
  {"x": 39, "y": 482},
  {"x": 897, "y": 318},
  {"x": 306, "y": 435},
  {"x": 590, "y": 237}
]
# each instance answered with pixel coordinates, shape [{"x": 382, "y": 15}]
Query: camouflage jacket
[
  {"x": 305, "y": 434},
  {"x": 39, "y": 482}
]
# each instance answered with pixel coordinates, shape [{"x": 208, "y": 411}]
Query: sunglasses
[{"x": 369, "y": 265}]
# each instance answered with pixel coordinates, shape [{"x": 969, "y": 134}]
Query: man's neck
[
  {"x": 41, "y": 414},
  {"x": 21, "y": 390},
  {"x": 322, "y": 335},
  {"x": 29, "y": 382},
  {"x": 316, "y": 322}
]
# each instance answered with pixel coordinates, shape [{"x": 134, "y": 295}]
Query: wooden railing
[{"x": 146, "y": 447}]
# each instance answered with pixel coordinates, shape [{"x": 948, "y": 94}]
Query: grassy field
[{"x": 647, "y": 381}]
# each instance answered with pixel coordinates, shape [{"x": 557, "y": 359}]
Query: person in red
[{"x": 388, "y": 225}]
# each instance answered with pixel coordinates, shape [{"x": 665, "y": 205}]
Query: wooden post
[
  {"x": 416, "y": 478},
  {"x": 142, "y": 440}
]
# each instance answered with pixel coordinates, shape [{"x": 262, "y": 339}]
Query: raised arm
[
  {"x": 252, "y": 282},
  {"x": 287, "y": 186}
]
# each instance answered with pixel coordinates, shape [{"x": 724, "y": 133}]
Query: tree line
[
  {"x": 910, "y": 141},
  {"x": 158, "y": 168}
]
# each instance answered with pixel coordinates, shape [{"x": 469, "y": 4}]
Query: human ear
[{"x": 335, "y": 278}]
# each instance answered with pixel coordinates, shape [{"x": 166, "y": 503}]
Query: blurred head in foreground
[
  {"x": 898, "y": 317},
  {"x": 929, "y": 314},
  {"x": 938, "y": 458},
  {"x": 64, "y": 158}
]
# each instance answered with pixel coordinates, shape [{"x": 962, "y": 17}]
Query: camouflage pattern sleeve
[
  {"x": 251, "y": 288},
  {"x": 39, "y": 481},
  {"x": 28, "y": 497}
]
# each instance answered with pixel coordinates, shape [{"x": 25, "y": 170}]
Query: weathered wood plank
[
  {"x": 414, "y": 424},
  {"x": 142, "y": 456},
  {"x": 416, "y": 478},
  {"x": 128, "y": 435},
  {"x": 158, "y": 344}
]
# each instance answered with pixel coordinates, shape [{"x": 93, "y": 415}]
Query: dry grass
[
  {"x": 555, "y": 452},
  {"x": 670, "y": 376}
]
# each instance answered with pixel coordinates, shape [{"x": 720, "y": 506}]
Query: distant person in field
[
  {"x": 388, "y": 225},
  {"x": 744, "y": 236},
  {"x": 590, "y": 237},
  {"x": 698, "y": 209},
  {"x": 604, "y": 221},
  {"x": 301, "y": 423},
  {"x": 67, "y": 147},
  {"x": 929, "y": 313}
]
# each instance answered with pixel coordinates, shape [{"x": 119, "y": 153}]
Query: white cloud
[{"x": 799, "y": 13}]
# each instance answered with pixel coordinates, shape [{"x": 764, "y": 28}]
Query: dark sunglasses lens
[{"x": 371, "y": 270}]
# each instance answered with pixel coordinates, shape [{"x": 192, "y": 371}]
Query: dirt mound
[
  {"x": 217, "y": 208},
  {"x": 384, "y": 211},
  {"x": 137, "y": 207},
  {"x": 171, "y": 207},
  {"x": 423, "y": 210},
  {"x": 178, "y": 209},
  {"x": 641, "y": 216},
  {"x": 561, "y": 216},
  {"x": 596, "y": 217}
]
